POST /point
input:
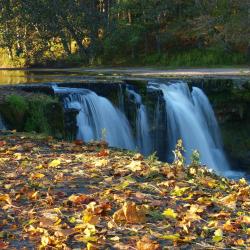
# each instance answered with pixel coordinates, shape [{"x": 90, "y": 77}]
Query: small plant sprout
[
  {"x": 179, "y": 159},
  {"x": 104, "y": 134},
  {"x": 195, "y": 158}
]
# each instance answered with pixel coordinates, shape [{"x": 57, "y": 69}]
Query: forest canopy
[{"x": 128, "y": 32}]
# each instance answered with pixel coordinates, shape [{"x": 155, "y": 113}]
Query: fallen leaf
[
  {"x": 5, "y": 198},
  {"x": 101, "y": 163},
  {"x": 131, "y": 213},
  {"x": 173, "y": 237},
  {"x": 37, "y": 176},
  {"x": 54, "y": 163},
  {"x": 229, "y": 201},
  {"x": 218, "y": 235},
  {"x": 228, "y": 226},
  {"x": 147, "y": 244},
  {"x": 80, "y": 199},
  {"x": 135, "y": 166},
  {"x": 170, "y": 213}
]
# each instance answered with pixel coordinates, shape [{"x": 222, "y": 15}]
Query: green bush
[
  {"x": 36, "y": 118},
  {"x": 14, "y": 111},
  {"x": 38, "y": 113},
  {"x": 45, "y": 115}
]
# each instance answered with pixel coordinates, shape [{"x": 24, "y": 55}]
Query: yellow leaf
[
  {"x": 45, "y": 240},
  {"x": 101, "y": 163},
  {"x": 18, "y": 156},
  {"x": 246, "y": 220},
  {"x": 173, "y": 237},
  {"x": 135, "y": 166},
  {"x": 54, "y": 163},
  {"x": 37, "y": 176},
  {"x": 90, "y": 230},
  {"x": 179, "y": 191},
  {"x": 170, "y": 213},
  {"x": 5, "y": 198},
  {"x": 115, "y": 238},
  {"x": 218, "y": 235},
  {"x": 243, "y": 181},
  {"x": 90, "y": 218},
  {"x": 229, "y": 201},
  {"x": 91, "y": 246},
  {"x": 39, "y": 167}
]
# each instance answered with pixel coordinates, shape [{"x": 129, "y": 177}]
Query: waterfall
[
  {"x": 178, "y": 113},
  {"x": 121, "y": 98},
  {"x": 2, "y": 125},
  {"x": 98, "y": 118},
  {"x": 190, "y": 117},
  {"x": 143, "y": 138}
]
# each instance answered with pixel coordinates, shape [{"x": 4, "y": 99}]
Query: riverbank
[
  {"x": 75, "y": 195},
  {"x": 144, "y": 71}
]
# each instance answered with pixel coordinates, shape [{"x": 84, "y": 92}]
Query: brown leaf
[
  {"x": 80, "y": 199},
  {"x": 3, "y": 245},
  {"x": 229, "y": 201},
  {"x": 65, "y": 232},
  {"x": 2, "y": 143},
  {"x": 146, "y": 244},
  {"x": 78, "y": 142},
  {"x": 103, "y": 153},
  {"x": 130, "y": 213}
]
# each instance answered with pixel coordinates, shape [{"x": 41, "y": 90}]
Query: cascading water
[
  {"x": 190, "y": 117},
  {"x": 178, "y": 114},
  {"x": 98, "y": 118},
  {"x": 143, "y": 138},
  {"x": 2, "y": 126}
]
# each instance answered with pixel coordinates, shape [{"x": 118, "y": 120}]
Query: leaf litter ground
[{"x": 61, "y": 195}]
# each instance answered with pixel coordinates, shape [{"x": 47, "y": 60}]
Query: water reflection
[
  {"x": 13, "y": 76},
  {"x": 8, "y": 77}
]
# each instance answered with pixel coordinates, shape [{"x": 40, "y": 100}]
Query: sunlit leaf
[
  {"x": 55, "y": 163},
  {"x": 170, "y": 213},
  {"x": 218, "y": 235}
]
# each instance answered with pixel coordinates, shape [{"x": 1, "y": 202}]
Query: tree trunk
[
  {"x": 158, "y": 43},
  {"x": 65, "y": 44},
  {"x": 9, "y": 48}
]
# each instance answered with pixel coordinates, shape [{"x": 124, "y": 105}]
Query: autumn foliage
[{"x": 61, "y": 195}]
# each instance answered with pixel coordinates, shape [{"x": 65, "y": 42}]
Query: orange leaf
[{"x": 103, "y": 153}]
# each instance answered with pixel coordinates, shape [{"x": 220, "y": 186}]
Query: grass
[{"x": 197, "y": 58}]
